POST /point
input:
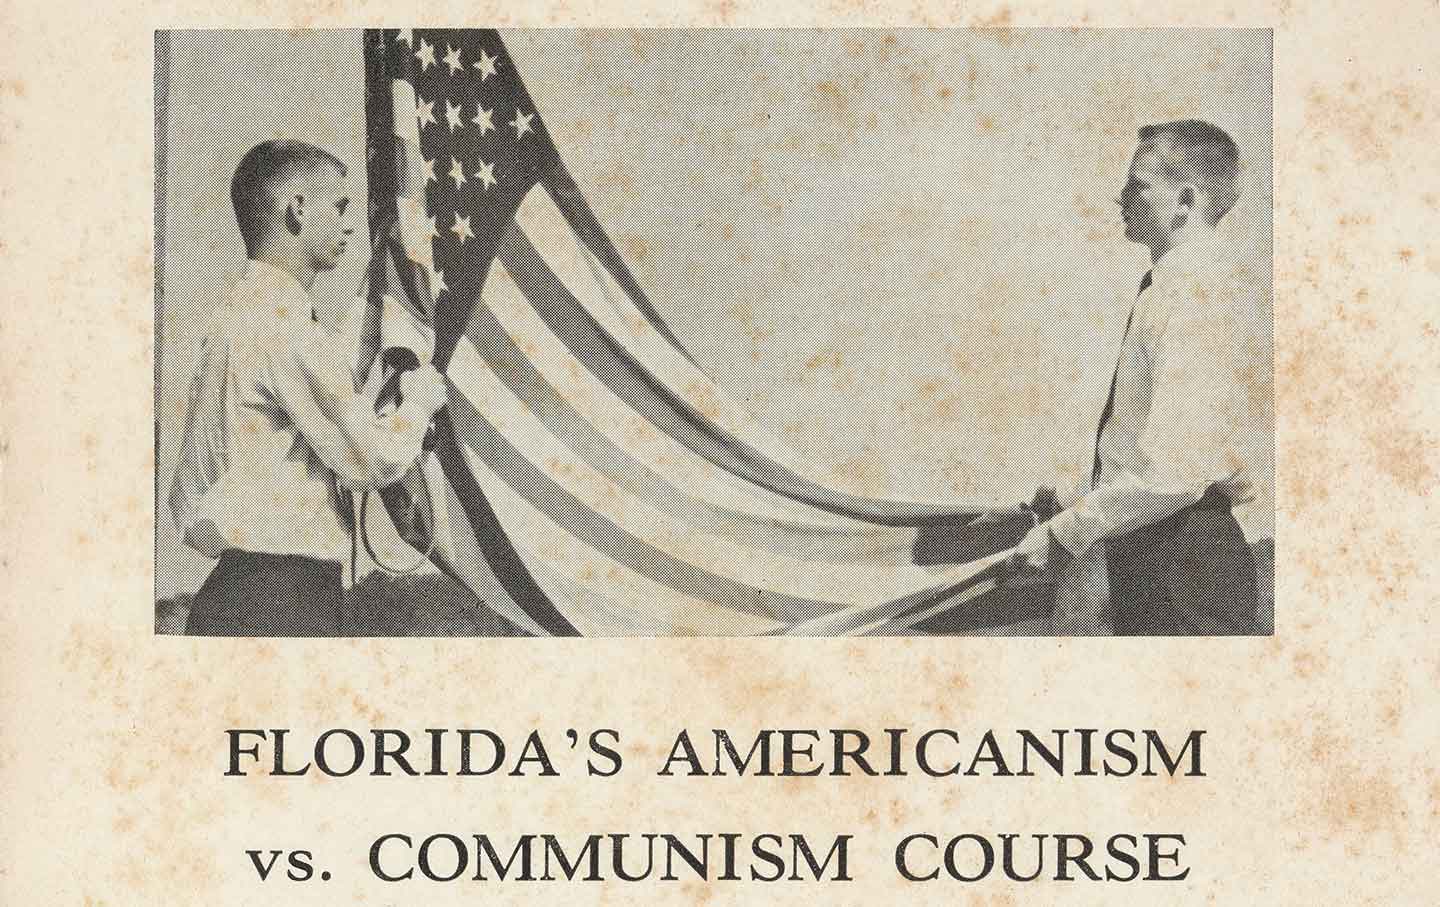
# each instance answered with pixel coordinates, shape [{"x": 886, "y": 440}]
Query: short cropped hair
[
  {"x": 1194, "y": 151},
  {"x": 261, "y": 170}
]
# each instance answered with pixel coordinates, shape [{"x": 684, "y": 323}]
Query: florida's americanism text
[{"x": 787, "y": 752}]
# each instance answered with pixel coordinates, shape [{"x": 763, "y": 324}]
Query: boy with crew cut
[
  {"x": 282, "y": 424},
  {"x": 1158, "y": 535}
]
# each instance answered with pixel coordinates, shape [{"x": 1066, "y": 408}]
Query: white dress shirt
[
  {"x": 274, "y": 421},
  {"x": 1194, "y": 400}
]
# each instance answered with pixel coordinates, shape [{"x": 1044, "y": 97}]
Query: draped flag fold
[{"x": 589, "y": 477}]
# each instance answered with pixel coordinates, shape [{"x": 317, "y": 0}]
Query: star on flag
[
  {"x": 452, "y": 59},
  {"x": 461, "y": 228},
  {"x": 482, "y": 119},
  {"x": 522, "y": 123},
  {"x": 500, "y": 156},
  {"x": 426, "y": 55},
  {"x": 486, "y": 65},
  {"x": 486, "y": 175}
]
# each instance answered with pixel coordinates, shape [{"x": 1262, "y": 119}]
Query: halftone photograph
[{"x": 714, "y": 333}]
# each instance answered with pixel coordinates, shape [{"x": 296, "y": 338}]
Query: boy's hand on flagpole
[
  {"x": 426, "y": 388},
  {"x": 1037, "y": 554},
  {"x": 1046, "y": 503}
]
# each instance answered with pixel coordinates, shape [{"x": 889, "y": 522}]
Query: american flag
[{"x": 590, "y": 477}]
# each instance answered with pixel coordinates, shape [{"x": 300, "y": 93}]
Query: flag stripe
[
  {"x": 571, "y": 202},
  {"x": 808, "y": 540},
  {"x": 594, "y": 290},
  {"x": 606, "y": 358},
  {"x": 458, "y": 554},
  {"x": 549, "y": 547},
  {"x": 616, "y": 543},
  {"x": 507, "y": 306},
  {"x": 594, "y": 612},
  {"x": 408, "y": 286},
  {"x": 596, "y": 297},
  {"x": 507, "y": 430},
  {"x": 493, "y": 542},
  {"x": 609, "y": 599}
]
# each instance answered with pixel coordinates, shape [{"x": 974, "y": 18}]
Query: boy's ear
[
  {"x": 294, "y": 213},
  {"x": 1187, "y": 196}
]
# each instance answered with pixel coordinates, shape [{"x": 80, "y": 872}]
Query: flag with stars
[{"x": 589, "y": 477}]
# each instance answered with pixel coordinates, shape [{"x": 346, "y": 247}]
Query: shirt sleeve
[
  {"x": 1207, "y": 381},
  {"x": 1068, "y": 495},
  {"x": 360, "y": 335},
  {"x": 314, "y": 382}
]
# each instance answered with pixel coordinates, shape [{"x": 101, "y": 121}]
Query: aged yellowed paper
[{"x": 893, "y": 235}]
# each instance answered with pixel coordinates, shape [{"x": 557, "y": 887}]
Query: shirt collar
[{"x": 275, "y": 287}]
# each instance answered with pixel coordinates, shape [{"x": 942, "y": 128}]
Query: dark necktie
[{"x": 1114, "y": 379}]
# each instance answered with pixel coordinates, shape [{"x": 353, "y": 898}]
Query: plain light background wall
[{"x": 900, "y": 247}]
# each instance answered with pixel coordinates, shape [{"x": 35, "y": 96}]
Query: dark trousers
[
  {"x": 1192, "y": 574},
  {"x": 253, "y": 594}
]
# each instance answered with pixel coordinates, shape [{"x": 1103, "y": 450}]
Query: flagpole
[{"x": 162, "y": 130}]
